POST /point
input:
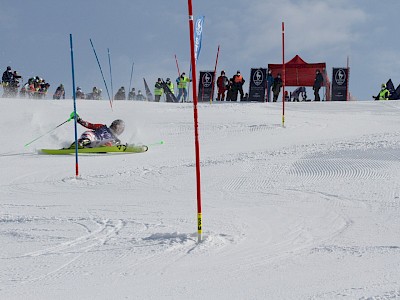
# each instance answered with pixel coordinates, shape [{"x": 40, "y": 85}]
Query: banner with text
[
  {"x": 258, "y": 84},
  {"x": 205, "y": 85},
  {"x": 339, "y": 84}
]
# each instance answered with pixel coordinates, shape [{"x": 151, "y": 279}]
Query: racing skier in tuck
[{"x": 99, "y": 134}]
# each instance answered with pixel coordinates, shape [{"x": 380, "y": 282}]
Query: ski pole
[
  {"x": 155, "y": 144},
  {"x": 27, "y": 144}
]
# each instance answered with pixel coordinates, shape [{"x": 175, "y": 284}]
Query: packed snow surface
[{"x": 308, "y": 210}]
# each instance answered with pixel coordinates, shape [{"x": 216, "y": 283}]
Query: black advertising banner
[
  {"x": 258, "y": 84},
  {"x": 339, "y": 84},
  {"x": 205, "y": 86}
]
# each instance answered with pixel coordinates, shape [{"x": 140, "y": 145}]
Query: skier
[{"x": 99, "y": 134}]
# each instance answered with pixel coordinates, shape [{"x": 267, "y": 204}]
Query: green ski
[{"x": 103, "y": 149}]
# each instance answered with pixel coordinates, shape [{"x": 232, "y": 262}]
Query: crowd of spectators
[{"x": 228, "y": 89}]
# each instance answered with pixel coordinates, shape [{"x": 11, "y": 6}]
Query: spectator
[
  {"x": 270, "y": 81},
  {"x": 222, "y": 85},
  {"x": 230, "y": 91},
  {"x": 158, "y": 90},
  {"x": 96, "y": 93},
  {"x": 14, "y": 84},
  {"x": 238, "y": 82},
  {"x": 318, "y": 82},
  {"x": 6, "y": 81},
  {"x": 300, "y": 91},
  {"x": 276, "y": 87},
  {"x": 120, "y": 95},
  {"x": 132, "y": 94},
  {"x": 79, "y": 93},
  {"x": 59, "y": 93},
  {"x": 287, "y": 97},
  {"x": 182, "y": 83},
  {"x": 384, "y": 94},
  {"x": 170, "y": 85},
  {"x": 24, "y": 90},
  {"x": 140, "y": 96}
]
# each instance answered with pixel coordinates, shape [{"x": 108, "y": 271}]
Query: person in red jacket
[
  {"x": 99, "y": 134},
  {"x": 222, "y": 84}
]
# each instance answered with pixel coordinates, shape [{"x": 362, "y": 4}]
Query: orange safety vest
[{"x": 238, "y": 79}]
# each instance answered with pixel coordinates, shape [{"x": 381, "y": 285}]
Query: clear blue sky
[{"x": 35, "y": 38}]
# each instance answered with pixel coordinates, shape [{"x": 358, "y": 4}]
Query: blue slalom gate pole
[
  {"x": 109, "y": 62},
  {"x": 101, "y": 71},
  {"x": 74, "y": 97},
  {"x": 130, "y": 81}
]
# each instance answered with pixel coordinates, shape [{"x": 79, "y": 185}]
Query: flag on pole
[{"x": 198, "y": 34}]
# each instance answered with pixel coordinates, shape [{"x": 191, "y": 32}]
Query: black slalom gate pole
[
  {"x": 109, "y": 63},
  {"x": 130, "y": 81}
]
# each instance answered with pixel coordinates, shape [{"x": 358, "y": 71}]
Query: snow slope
[{"x": 308, "y": 211}]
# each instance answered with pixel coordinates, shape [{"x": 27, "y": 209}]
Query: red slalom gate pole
[
  {"x": 177, "y": 66},
  {"x": 283, "y": 74},
  {"x": 196, "y": 129}
]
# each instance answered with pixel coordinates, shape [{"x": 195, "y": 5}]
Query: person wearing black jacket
[
  {"x": 237, "y": 81},
  {"x": 318, "y": 82},
  {"x": 276, "y": 86},
  {"x": 7, "y": 79}
]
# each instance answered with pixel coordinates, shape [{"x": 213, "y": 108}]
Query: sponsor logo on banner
[
  {"x": 340, "y": 84},
  {"x": 258, "y": 84},
  {"x": 340, "y": 77},
  {"x": 206, "y": 91},
  {"x": 198, "y": 30},
  {"x": 258, "y": 77},
  {"x": 207, "y": 80}
]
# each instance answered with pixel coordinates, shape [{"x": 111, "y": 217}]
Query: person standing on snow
[
  {"x": 276, "y": 87},
  {"x": 59, "y": 93},
  {"x": 132, "y": 94},
  {"x": 222, "y": 85},
  {"x": 238, "y": 82},
  {"x": 99, "y": 134},
  {"x": 6, "y": 81},
  {"x": 79, "y": 93},
  {"x": 318, "y": 82},
  {"x": 120, "y": 95},
  {"x": 182, "y": 83},
  {"x": 170, "y": 85},
  {"x": 158, "y": 90},
  {"x": 270, "y": 81}
]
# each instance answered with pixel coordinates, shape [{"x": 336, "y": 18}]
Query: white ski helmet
[{"x": 117, "y": 127}]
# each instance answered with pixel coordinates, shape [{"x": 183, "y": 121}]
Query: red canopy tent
[{"x": 300, "y": 73}]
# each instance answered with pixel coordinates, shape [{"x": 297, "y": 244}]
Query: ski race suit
[{"x": 98, "y": 133}]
